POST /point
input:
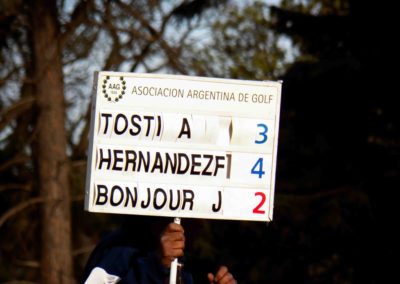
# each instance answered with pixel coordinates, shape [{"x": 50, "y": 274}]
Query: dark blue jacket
[{"x": 117, "y": 256}]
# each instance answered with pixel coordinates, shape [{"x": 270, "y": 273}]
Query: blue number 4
[
  {"x": 263, "y": 133},
  {"x": 258, "y": 168}
]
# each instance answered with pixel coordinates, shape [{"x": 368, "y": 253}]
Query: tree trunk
[{"x": 52, "y": 161}]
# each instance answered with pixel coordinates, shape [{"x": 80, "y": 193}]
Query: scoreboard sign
[{"x": 183, "y": 146}]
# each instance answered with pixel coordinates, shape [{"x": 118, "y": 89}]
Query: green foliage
[{"x": 242, "y": 45}]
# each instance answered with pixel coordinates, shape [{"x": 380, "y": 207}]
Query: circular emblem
[{"x": 113, "y": 88}]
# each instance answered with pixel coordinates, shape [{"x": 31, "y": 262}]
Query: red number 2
[{"x": 257, "y": 210}]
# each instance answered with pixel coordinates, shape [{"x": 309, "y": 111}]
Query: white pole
[{"x": 174, "y": 263}]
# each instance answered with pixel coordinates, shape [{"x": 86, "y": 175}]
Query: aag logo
[{"x": 113, "y": 88}]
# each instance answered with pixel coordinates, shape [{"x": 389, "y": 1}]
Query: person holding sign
[
  {"x": 116, "y": 260},
  {"x": 208, "y": 152}
]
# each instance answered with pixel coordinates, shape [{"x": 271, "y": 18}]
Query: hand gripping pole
[{"x": 174, "y": 264}]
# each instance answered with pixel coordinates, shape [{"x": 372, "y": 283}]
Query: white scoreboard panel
[{"x": 183, "y": 146}]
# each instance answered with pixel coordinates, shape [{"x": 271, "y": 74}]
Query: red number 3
[{"x": 257, "y": 209}]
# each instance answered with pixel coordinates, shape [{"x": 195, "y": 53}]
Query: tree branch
[
  {"x": 20, "y": 207},
  {"x": 83, "y": 250},
  {"x": 15, "y": 110},
  {"x": 20, "y": 186},
  {"x": 157, "y": 36},
  {"x": 28, "y": 263},
  {"x": 78, "y": 17},
  {"x": 17, "y": 159},
  {"x": 19, "y": 282}
]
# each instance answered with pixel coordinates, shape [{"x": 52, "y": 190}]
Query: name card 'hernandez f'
[{"x": 181, "y": 146}]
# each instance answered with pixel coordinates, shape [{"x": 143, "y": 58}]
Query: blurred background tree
[
  {"x": 338, "y": 157},
  {"x": 49, "y": 49}
]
